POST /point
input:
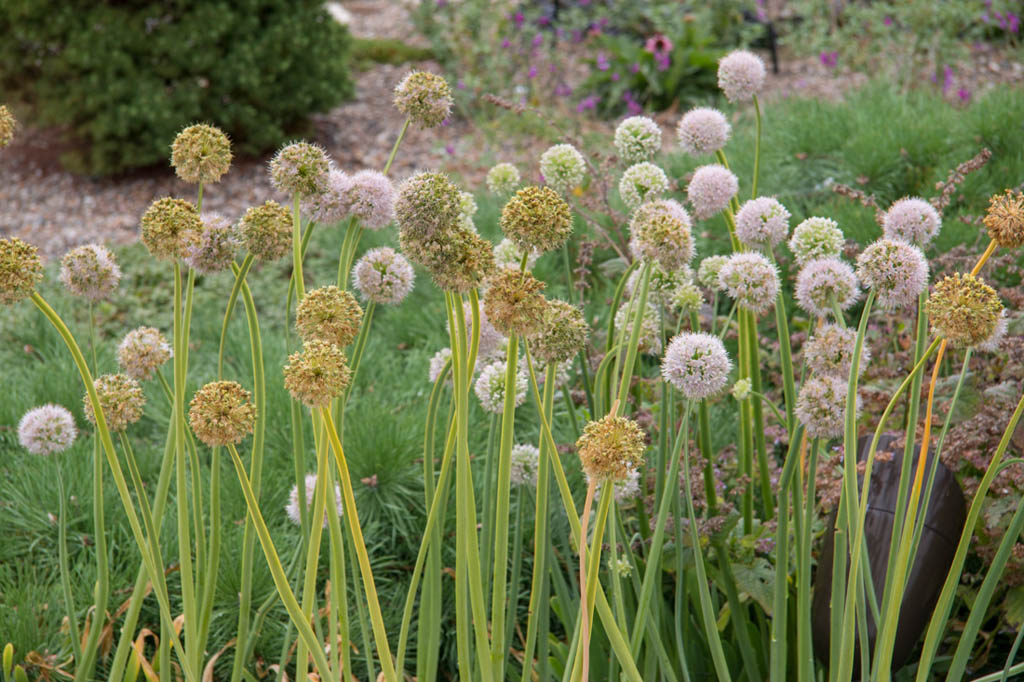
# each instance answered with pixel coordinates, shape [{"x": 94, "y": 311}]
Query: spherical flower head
[
  {"x": 637, "y": 139},
  {"x": 328, "y": 314},
  {"x": 333, "y": 204},
  {"x": 1005, "y": 219},
  {"x": 816, "y": 238},
  {"x": 20, "y": 270},
  {"x": 425, "y": 98},
  {"x": 490, "y": 386},
  {"x": 47, "y": 429},
  {"x": 300, "y": 168},
  {"x": 458, "y": 260},
  {"x": 628, "y": 488},
  {"x": 696, "y": 364},
  {"x": 266, "y": 231},
  {"x": 740, "y": 75},
  {"x": 911, "y": 220},
  {"x": 142, "y": 352},
  {"x": 686, "y": 298},
  {"x": 992, "y": 343},
  {"x": 214, "y": 250},
  {"x": 201, "y": 153},
  {"x": 709, "y": 270},
  {"x": 741, "y": 389},
  {"x": 762, "y": 223},
  {"x": 121, "y": 399},
  {"x": 821, "y": 406},
  {"x": 514, "y": 302},
  {"x": 650, "y": 327},
  {"x": 371, "y": 198},
  {"x": 7, "y": 125},
  {"x": 428, "y": 203},
  {"x": 491, "y": 342},
  {"x": 830, "y": 352},
  {"x": 90, "y": 271},
  {"x": 642, "y": 182},
  {"x": 562, "y": 335},
  {"x": 752, "y": 280},
  {"x": 563, "y": 167},
  {"x": 503, "y": 178},
  {"x": 703, "y": 131},
  {"x": 663, "y": 282},
  {"x": 537, "y": 219},
  {"x": 711, "y": 189},
  {"x": 824, "y": 283},
  {"x": 221, "y": 413},
  {"x": 507, "y": 254},
  {"x": 525, "y": 460},
  {"x": 897, "y": 271},
  {"x": 169, "y": 227},
  {"x": 661, "y": 234},
  {"x": 611, "y": 447},
  {"x": 437, "y": 363},
  {"x": 964, "y": 310},
  {"x": 293, "y": 509},
  {"x": 317, "y": 374},
  {"x": 383, "y": 275}
]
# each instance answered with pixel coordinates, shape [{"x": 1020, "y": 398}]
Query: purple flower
[
  {"x": 663, "y": 61},
  {"x": 602, "y": 61},
  {"x": 518, "y": 18},
  {"x": 450, "y": 149},
  {"x": 829, "y": 59},
  {"x": 658, "y": 44},
  {"x": 460, "y": 84},
  {"x": 887, "y": 21},
  {"x": 615, "y": 77},
  {"x": 559, "y": 33},
  {"x": 446, "y": 122},
  {"x": 634, "y": 67},
  {"x": 538, "y": 39},
  {"x": 583, "y": 3},
  {"x": 506, "y": 43},
  {"x": 563, "y": 90},
  {"x": 577, "y": 36},
  {"x": 761, "y": 13},
  {"x": 985, "y": 17},
  {"x": 588, "y": 102},
  {"x": 947, "y": 78},
  {"x": 1013, "y": 22},
  {"x": 964, "y": 94},
  {"x": 631, "y": 104},
  {"x": 532, "y": 73},
  {"x": 552, "y": 68},
  {"x": 543, "y": 21}
]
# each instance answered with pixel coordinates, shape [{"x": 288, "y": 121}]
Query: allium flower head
[
  {"x": 611, "y": 447},
  {"x": 490, "y": 386},
  {"x": 1005, "y": 219},
  {"x": 821, "y": 406},
  {"x": 383, "y": 275},
  {"x": 825, "y": 282},
  {"x": 672, "y": 289},
  {"x": 457, "y": 259},
  {"x": 503, "y": 179},
  {"x": 90, "y": 271},
  {"x": 7, "y": 126},
  {"x": 911, "y": 220},
  {"x": 637, "y": 138},
  {"x": 300, "y": 168},
  {"x": 294, "y": 511},
  {"x": 266, "y": 231},
  {"x": 696, "y": 364},
  {"x": 371, "y": 198},
  {"x": 642, "y": 182},
  {"x": 437, "y": 363},
  {"x": 121, "y": 399},
  {"x": 47, "y": 429},
  {"x": 562, "y": 335},
  {"x": 424, "y": 97},
  {"x": 686, "y": 298},
  {"x": 964, "y": 310},
  {"x": 427, "y": 203},
  {"x": 762, "y": 223},
  {"x": 628, "y": 488},
  {"x": 661, "y": 234},
  {"x": 142, "y": 352},
  {"x": 214, "y": 250},
  {"x": 467, "y": 209},
  {"x": 563, "y": 167},
  {"x": 751, "y": 279},
  {"x": 169, "y": 227},
  {"x": 830, "y": 352},
  {"x": 514, "y": 302},
  {"x": 201, "y": 153},
  {"x": 536, "y": 218},
  {"x": 650, "y": 327},
  {"x": 334, "y": 203},
  {"x": 317, "y": 374},
  {"x": 709, "y": 270},
  {"x": 525, "y": 460},
  {"x": 816, "y": 238},
  {"x": 507, "y": 254},
  {"x": 711, "y": 189},
  {"x": 992, "y": 343},
  {"x": 740, "y": 75},
  {"x": 741, "y": 389},
  {"x": 897, "y": 271},
  {"x": 221, "y": 413},
  {"x": 703, "y": 131},
  {"x": 329, "y": 314},
  {"x": 20, "y": 270}
]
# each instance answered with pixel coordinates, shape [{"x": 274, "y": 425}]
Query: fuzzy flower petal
[
  {"x": 741, "y": 75},
  {"x": 642, "y": 182},
  {"x": 383, "y": 275},
  {"x": 897, "y": 271},
  {"x": 762, "y": 223},
  {"x": 711, "y": 189},
  {"x": 751, "y": 279},
  {"x": 912, "y": 220},
  {"x": 637, "y": 138},
  {"x": 697, "y": 365}
]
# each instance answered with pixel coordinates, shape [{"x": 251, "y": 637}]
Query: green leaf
[{"x": 757, "y": 581}]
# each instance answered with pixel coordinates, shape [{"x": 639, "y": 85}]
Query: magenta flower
[
  {"x": 506, "y": 43},
  {"x": 887, "y": 21},
  {"x": 658, "y": 44},
  {"x": 964, "y": 94},
  {"x": 602, "y": 61},
  {"x": 587, "y": 103},
  {"x": 450, "y": 149},
  {"x": 615, "y": 77},
  {"x": 829, "y": 59},
  {"x": 518, "y": 18},
  {"x": 634, "y": 67},
  {"x": 538, "y": 39},
  {"x": 532, "y": 73}
]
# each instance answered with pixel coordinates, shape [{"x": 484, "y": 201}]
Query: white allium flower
[
  {"x": 741, "y": 389},
  {"x": 503, "y": 178},
  {"x": 830, "y": 352},
  {"x": 437, "y": 364},
  {"x": 709, "y": 270},
  {"x": 741, "y": 75},
  {"x": 823, "y": 281},
  {"x": 696, "y": 364},
  {"x": 650, "y": 327},
  {"x": 627, "y": 488},
  {"x": 292, "y": 508},
  {"x": 642, "y": 182},
  {"x": 711, "y": 189},
  {"x": 751, "y": 279},
  {"x": 762, "y": 223},
  {"x": 896, "y": 270},
  {"x": 992, "y": 343},
  {"x": 507, "y": 254},
  {"x": 912, "y": 220},
  {"x": 561, "y": 375},
  {"x": 821, "y": 406},
  {"x": 333, "y": 204},
  {"x": 703, "y": 131},
  {"x": 637, "y": 138},
  {"x": 525, "y": 458},
  {"x": 563, "y": 167},
  {"x": 90, "y": 271},
  {"x": 816, "y": 238},
  {"x": 490, "y": 387},
  {"x": 47, "y": 429},
  {"x": 383, "y": 275}
]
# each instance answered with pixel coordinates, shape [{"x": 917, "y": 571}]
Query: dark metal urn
[{"x": 943, "y": 525}]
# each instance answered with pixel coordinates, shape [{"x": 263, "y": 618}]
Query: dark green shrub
[{"x": 122, "y": 78}]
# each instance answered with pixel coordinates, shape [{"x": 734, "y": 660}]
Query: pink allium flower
[
  {"x": 896, "y": 270},
  {"x": 821, "y": 406},
  {"x": 912, "y": 220},
  {"x": 292, "y": 508},
  {"x": 47, "y": 429},
  {"x": 762, "y": 223},
  {"x": 333, "y": 204},
  {"x": 711, "y": 189},
  {"x": 383, "y": 275},
  {"x": 741, "y": 75},
  {"x": 830, "y": 352},
  {"x": 437, "y": 364},
  {"x": 214, "y": 251},
  {"x": 142, "y": 352},
  {"x": 823, "y": 281},
  {"x": 751, "y": 279},
  {"x": 300, "y": 168},
  {"x": 490, "y": 387},
  {"x": 703, "y": 131},
  {"x": 371, "y": 198},
  {"x": 90, "y": 271},
  {"x": 696, "y": 364}
]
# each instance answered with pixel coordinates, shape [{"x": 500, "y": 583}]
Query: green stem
[
  {"x": 236, "y": 288},
  {"x": 300, "y": 284},
  {"x": 394, "y": 149},
  {"x": 65, "y": 575},
  {"x": 631, "y": 350},
  {"x": 779, "y": 639},
  {"x": 757, "y": 148},
  {"x": 805, "y": 646}
]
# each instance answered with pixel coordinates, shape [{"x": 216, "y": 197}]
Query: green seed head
[
  {"x": 20, "y": 270},
  {"x": 266, "y": 231},
  {"x": 201, "y": 153},
  {"x": 170, "y": 227},
  {"x": 329, "y": 314},
  {"x": 964, "y": 310},
  {"x": 537, "y": 219},
  {"x": 611, "y": 447},
  {"x": 221, "y": 413}
]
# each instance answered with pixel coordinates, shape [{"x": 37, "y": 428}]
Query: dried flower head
[
  {"x": 169, "y": 227},
  {"x": 317, "y": 374},
  {"x": 611, "y": 447},
  {"x": 490, "y": 386},
  {"x": 696, "y": 364},
  {"x": 47, "y": 429},
  {"x": 1005, "y": 219},
  {"x": 300, "y": 168},
  {"x": 642, "y": 182},
  {"x": 897, "y": 271},
  {"x": 821, "y": 406},
  {"x": 751, "y": 279},
  {"x": 371, "y": 198},
  {"x": 142, "y": 352},
  {"x": 711, "y": 189},
  {"x": 457, "y": 259},
  {"x": 514, "y": 302},
  {"x": 266, "y": 231},
  {"x": 7, "y": 125},
  {"x": 328, "y": 314},
  {"x": 762, "y": 223},
  {"x": 741, "y": 389},
  {"x": 214, "y": 250},
  {"x": 650, "y": 326},
  {"x": 293, "y": 510},
  {"x": 703, "y": 131},
  {"x": 221, "y": 413},
  {"x": 20, "y": 270},
  {"x": 333, "y": 204},
  {"x": 424, "y": 97},
  {"x": 661, "y": 234},
  {"x": 563, "y": 167},
  {"x": 709, "y": 270},
  {"x": 503, "y": 179},
  {"x": 830, "y": 352},
  {"x": 383, "y": 275},
  {"x": 964, "y": 310},
  {"x": 824, "y": 283},
  {"x": 911, "y": 220},
  {"x": 428, "y": 203},
  {"x": 121, "y": 399},
  {"x": 562, "y": 335},
  {"x": 90, "y": 271},
  {"x": 536, "y": 218},
  {"x": 507, "y": 254},
  {"x": 816, "y": 238},
  {"x": 201, "y": 153},
  {"x": 437, "y": 363},
  {"x": 992, "y": 343},
  {"x": 525, "y": 459},
  {"x": 637, "y": 138},
  {"x": 740, "y": 75}
]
